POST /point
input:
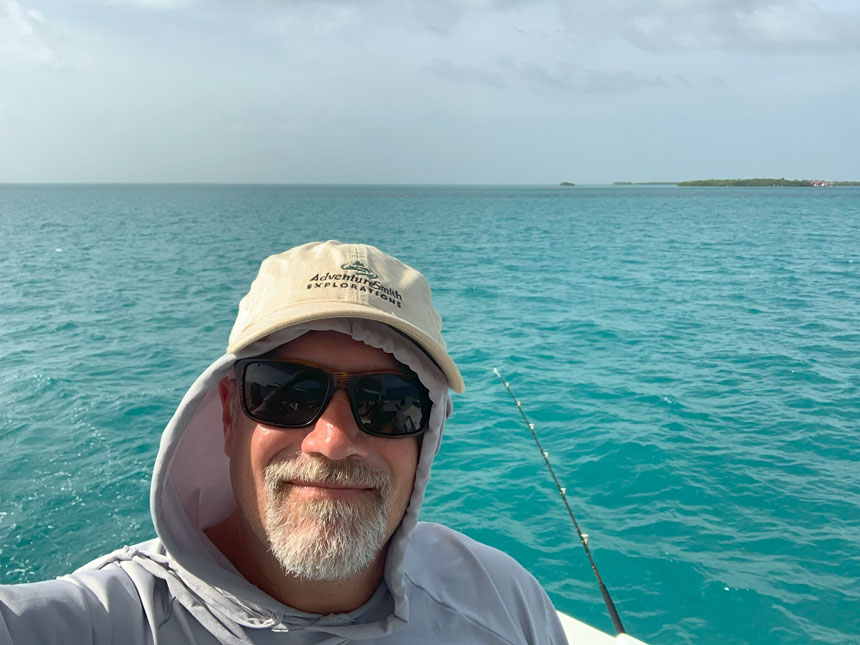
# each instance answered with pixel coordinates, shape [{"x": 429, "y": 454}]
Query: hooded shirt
[{"x": 438, "y": 585}]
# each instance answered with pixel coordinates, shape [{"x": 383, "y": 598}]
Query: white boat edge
[{"x": 578, "y": 633}]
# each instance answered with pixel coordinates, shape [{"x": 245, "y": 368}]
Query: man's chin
[{"x": 325, "y": 539}]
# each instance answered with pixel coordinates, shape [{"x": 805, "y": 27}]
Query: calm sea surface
[{"x": 690, "y": 357}]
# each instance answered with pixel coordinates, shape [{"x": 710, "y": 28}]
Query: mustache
[{"x": 322, "y": 471}]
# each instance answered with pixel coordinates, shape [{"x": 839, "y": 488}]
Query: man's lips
[
  {"x": 328, "y": 489},
  {"x": 298, "y": 482}
]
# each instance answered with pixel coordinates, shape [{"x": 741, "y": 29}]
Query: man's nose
[{"x": 335, "y": 434}]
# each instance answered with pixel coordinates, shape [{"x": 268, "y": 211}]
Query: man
[{"x": 288, "y": 484}]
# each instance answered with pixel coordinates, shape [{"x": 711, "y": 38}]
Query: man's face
[{"x": 324, "y": 499}]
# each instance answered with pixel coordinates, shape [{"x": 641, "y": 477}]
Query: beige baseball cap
[{"x": 335, "y": 280}]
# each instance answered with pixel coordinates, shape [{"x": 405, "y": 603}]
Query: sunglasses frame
[{"x": 336, "y": 380}]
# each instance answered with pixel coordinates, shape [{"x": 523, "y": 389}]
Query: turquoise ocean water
[{"x": 691, "y": 359}]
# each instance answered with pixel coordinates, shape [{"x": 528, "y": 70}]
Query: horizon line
[{"x": 269, "y": 183}]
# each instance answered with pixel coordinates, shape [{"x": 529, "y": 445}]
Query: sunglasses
[{"x": 294, "y": 395}]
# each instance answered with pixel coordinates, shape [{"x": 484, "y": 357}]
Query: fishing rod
[{"x": 583, "y": 537}]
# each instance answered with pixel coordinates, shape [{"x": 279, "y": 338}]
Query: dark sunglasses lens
[
  {"x": 284, "y": 394},
  {"x": 389, "y": 404}
]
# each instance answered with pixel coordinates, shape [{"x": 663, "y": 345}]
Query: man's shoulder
[
  {"x": 433, "y": 539},
  {"x": 117, "y": 574},
  {"x": 455, "y": 578},
  {"x": 111, "y": 561},
  {"x": 101, "y": 597},
  {"x": 441, "y": 537},
  {"x": 436, "y": 550}
]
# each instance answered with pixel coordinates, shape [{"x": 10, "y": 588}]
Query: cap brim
[{"x": 306, "y": 312}]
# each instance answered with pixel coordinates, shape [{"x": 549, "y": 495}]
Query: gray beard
[{"x": 325, "y": 539}]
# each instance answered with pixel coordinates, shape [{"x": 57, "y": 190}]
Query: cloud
[
  {"x": 779, "y": 26},
  {"x": 154, "y": 5},
  {"x": 575, "y": 77},
  {"x": 25, "y": 35},
  {"x": 800, "y": 26},
  {"x": 464, "y": 73},
  {"x": 563, "y": 76}
]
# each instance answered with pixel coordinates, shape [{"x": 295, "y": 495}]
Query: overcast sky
[{"x": 441, "y": 91}]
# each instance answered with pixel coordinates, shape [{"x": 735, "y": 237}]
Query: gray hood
[{"x": 191, "y": 492}]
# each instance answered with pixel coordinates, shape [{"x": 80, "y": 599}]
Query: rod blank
[{"x": 583, "y": 537}]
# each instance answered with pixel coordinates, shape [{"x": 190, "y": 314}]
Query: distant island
[
  {"x": 768, "y": 182},
  {"x": 566, "y": 183},
  {"x": 764, "y": 182}
]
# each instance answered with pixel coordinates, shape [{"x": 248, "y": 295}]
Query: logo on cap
[
  {"x": 360, "y": 268},
  {"x": 360, "y": 279}
]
